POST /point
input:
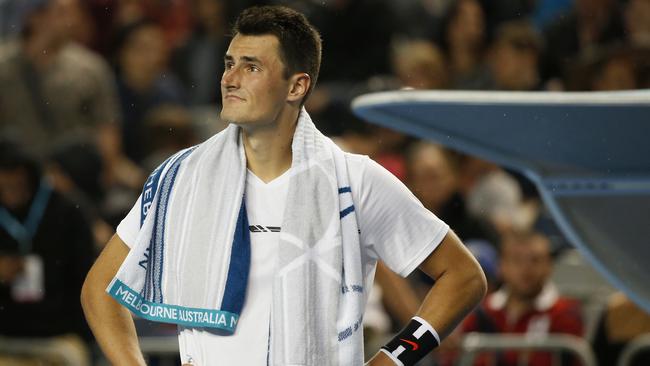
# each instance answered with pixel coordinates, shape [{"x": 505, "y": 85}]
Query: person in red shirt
[{"x": 527, "y": 302}]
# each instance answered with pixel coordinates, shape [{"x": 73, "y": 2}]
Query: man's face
[
  {"x": 526, "y": 266},
  {"x": 253, "y": 86}
]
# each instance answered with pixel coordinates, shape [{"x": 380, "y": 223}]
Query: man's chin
[{"x": 227, "y": 116}]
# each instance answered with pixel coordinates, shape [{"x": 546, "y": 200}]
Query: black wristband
[{"x": 413, "y": 343}]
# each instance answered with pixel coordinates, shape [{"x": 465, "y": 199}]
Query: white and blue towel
[{"x": 191, "y": 259}]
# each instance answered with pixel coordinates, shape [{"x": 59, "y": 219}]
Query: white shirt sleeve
[
  {"x": 129, "y": 227},
  {"x": 395, "y": 227}
]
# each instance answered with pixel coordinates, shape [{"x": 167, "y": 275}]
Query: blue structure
[{"x": 588, "y": 154}]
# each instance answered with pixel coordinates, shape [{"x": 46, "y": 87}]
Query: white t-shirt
[{"x": 393, "y": 224}]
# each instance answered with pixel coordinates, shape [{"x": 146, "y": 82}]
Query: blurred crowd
[{"x": 94, "y": 94}]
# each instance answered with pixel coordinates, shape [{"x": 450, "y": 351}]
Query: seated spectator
[
  {"x": 621, "y": 322},
  {"x": 199, "y": 60},
  {"x": 432, "y": 175},
  {"x": 169, "y": 129},
  {"x": 54, "y": 90},
  {"x": 497, "y": 199},
  {"x": 610, "y": 67},
  {"x": 527, "y": 303},
  {"x": 513, "y": 59},
  {"x": 46, "y": 249},
  {"x": 464, "y": 35},
  {"x": 617, "y": 71},
  {"x": 75, "y": 170},
  {"x": 589, "y": 24},
  {"x": 419, "y": 65},
  {"x": 636, "y": 18},
  {"x": 51, "y": 87},
  {"x": 143, "y": 80}
]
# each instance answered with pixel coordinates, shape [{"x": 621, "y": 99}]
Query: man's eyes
[{"x": 250, "y": 67}]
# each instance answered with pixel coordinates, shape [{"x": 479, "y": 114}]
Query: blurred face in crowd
[
  {"x": 253, "y": 86},
  {"x": 637, "y": 22},
  {"x": 144, "y": 56},
  {"x": 431, "y": 176},
  {"x": 15, "y": 192},
  {"x": 468, "y": 25},
  {"x": 616, "y": 74},
  {"x": 76, "y": 21},
  {"x": 49, "y": 23},
  {"x": 514, "y": 66},
  {"x": 525, "y": 265},
  {"x": 420, "y": 65},
  {"x": 210, "y": 13},
  {"x": 593, "y": 9}
]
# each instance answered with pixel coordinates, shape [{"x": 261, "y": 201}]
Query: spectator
[
  {"x": 54, "y": 90},
  {"x": 497, "y": 199},
  {"x": 170, "y": 129},
  {"x": 432, "y": 175},
  {"x": 76, "y": 171},
  {"x": 589, "y": 24},
  {"x": 46, "y": 249},
  {"x": 199, "y": 61},
  {"x": 143, "y": 80},
  {"x": 527, "y": 303},
  {"x": 621, "y": 322},
  {"x": 610, "y": 67},
  {"x": 464, "y": 37},
  {"x": 513, "y": 58},
  {"x": 419, "y": 65},
  {"x": 636, "y": 17},
  {"x": 51, "y": 87},
  {"x": 617, "y": 71}
]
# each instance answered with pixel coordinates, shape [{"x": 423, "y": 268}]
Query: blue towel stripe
[
  {"x": 150, "y": 188},
  {"x": 153, "y": 285},
  {"x": 240, "y": 261},
  {"x": 347, "y": 211},
  {"x": 344, "y": 189}
]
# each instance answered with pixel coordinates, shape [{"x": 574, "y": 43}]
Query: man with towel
[{"x": 261, "y": 242}]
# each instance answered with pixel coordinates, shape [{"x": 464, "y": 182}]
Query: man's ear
[{"x": 299, "y": 84}]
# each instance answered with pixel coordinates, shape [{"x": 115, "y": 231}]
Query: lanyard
[{"x": 24, "y": 233}]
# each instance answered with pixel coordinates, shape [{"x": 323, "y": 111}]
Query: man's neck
[{"x": 268, "y": 148}]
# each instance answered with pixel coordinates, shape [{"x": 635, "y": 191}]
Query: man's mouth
[{"x": 234, "y": 97}]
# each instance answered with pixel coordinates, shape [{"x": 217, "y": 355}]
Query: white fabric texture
[
  {"x": 314, "y": 321},
  {"x": 265, "y": 204},
  {"x": 394, "y": 226}
]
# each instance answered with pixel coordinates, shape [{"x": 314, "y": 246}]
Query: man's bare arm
[
  {"x": 460, "y": 285},
  {"x": 110, "y": 322}
]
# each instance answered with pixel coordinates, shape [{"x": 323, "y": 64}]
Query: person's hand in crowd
[{"x": 10, "y": 267}]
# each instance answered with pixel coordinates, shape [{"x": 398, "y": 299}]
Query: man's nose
[{"x": 230, "y": 79}]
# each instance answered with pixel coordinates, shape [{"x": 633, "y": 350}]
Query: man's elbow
[
  {"x": 477, "y": 283},
  {"x": 86, "y": 295},
  {"x": 92, "y": 293}
]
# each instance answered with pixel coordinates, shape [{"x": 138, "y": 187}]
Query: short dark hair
[
  {"x": 300, "y": 42},
  {"x": 13, "y": 157}
]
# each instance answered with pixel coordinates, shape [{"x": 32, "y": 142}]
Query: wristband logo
[{"x": 413, "y": 344}]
